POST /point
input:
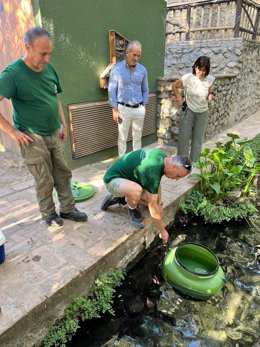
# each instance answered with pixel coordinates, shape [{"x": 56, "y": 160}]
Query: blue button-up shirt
[{"x": 128, "y": 86}]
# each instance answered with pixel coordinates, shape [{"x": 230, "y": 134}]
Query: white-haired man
[
  {"x": 128, "y": 95},
  {"x": 136, "y": 179}
]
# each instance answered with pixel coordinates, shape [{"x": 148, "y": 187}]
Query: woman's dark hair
[{"x": 202, "y": 62}]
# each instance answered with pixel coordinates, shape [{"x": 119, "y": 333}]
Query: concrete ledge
[
  {"x": 46, "y": 268},
  {"x": 116, "y": 252}
]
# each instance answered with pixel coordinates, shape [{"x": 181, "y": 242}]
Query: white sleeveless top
[{"x": 196, "y": 91}]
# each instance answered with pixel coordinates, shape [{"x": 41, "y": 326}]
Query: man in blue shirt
[{"x": 128, "y": 94}]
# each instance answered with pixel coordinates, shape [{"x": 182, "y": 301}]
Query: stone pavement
[{"x": 47, "y": 267}]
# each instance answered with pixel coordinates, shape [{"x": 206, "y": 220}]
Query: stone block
[
  {"x": 174, "y": 116},
  {"x": 163, "y": 95},
  {"x": 175, "y": 130}
]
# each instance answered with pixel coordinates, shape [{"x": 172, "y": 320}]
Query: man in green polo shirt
[
  {"x": 32, "y": 84},
  {"x": 135, "y": 179}
]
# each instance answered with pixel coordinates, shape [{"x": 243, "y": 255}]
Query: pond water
[{"x": 150, "y": 313}]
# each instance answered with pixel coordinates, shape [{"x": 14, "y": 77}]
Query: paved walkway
[{"x": 46, "y": 267}]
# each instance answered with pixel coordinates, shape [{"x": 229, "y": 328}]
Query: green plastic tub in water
[{"x": 194, "y": 270}]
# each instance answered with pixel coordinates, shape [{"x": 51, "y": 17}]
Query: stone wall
[
  {"x": 224, "y": 55},
  {"x": 235, "y": 64}
]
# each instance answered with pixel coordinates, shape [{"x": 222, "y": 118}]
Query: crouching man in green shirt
[
  {"x": 32, "y": 84},
  {"x": 135, "y": 179}
]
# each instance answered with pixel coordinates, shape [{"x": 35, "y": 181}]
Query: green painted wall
[{"x": 81, "y": 48}]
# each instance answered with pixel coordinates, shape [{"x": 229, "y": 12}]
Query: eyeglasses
[{"x": 187, "y": 166}]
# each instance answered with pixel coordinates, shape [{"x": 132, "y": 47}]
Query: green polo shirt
[
  {"x": 143, "y": 166},
  {"x": 34, "y": 97}
]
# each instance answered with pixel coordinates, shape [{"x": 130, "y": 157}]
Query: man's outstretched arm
[{"x": 156, "y": 212}]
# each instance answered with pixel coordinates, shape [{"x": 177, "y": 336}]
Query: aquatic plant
[
  {"x": 82, "y": 308},
  {"x": 198, "y": 204},
  {"x": 227, "y": 169}
]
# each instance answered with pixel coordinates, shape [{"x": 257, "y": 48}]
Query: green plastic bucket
[
  {"x": 81, "y": 191},
  {"x": 194, "y": 270}
]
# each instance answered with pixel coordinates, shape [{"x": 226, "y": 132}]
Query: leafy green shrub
[
  {"x": 255, "y": 147},
  {"x": 83, "y": 308},
  {"x": 104, "y": 290},
  {"x": 229, "y": 167},
  {"x": 197, "y": 204}
]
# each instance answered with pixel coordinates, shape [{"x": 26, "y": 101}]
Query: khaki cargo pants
[{"x": 45, "y": 160}]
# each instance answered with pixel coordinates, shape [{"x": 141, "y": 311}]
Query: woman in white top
[{"x": 198, "y": 92}]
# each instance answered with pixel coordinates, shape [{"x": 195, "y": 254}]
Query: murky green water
[
  {"x": 195, "y": 265},
  {"x": 150, "y": 313}
]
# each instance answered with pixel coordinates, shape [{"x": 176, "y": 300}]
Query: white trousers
[{"x": 134, "y": 117}]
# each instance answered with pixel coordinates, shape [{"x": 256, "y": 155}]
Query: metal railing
[{"x": 213, "y": 19}]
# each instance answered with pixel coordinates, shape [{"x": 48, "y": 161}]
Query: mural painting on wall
[
  {"x": 117, "y": 48},
  {"x": 16, "y": 17}
]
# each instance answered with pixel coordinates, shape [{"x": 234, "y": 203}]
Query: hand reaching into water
[{"x": 164, "y": 236}]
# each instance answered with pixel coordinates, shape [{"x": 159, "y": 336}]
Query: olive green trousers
[
  {"x": 191, "y": 133},
  {"x": 46, "y": 161}
]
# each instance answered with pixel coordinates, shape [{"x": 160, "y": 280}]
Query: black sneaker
[
  {"x": 53, "y": 217},
  {"x": 136, "y": 218},
  {"x": 75, "y": 215},
  {"x": 110, "y": 201}
]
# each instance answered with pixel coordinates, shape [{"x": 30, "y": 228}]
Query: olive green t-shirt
[
  {"x": 34, "y": 97},
  {"x": 143, "y": 166}
]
